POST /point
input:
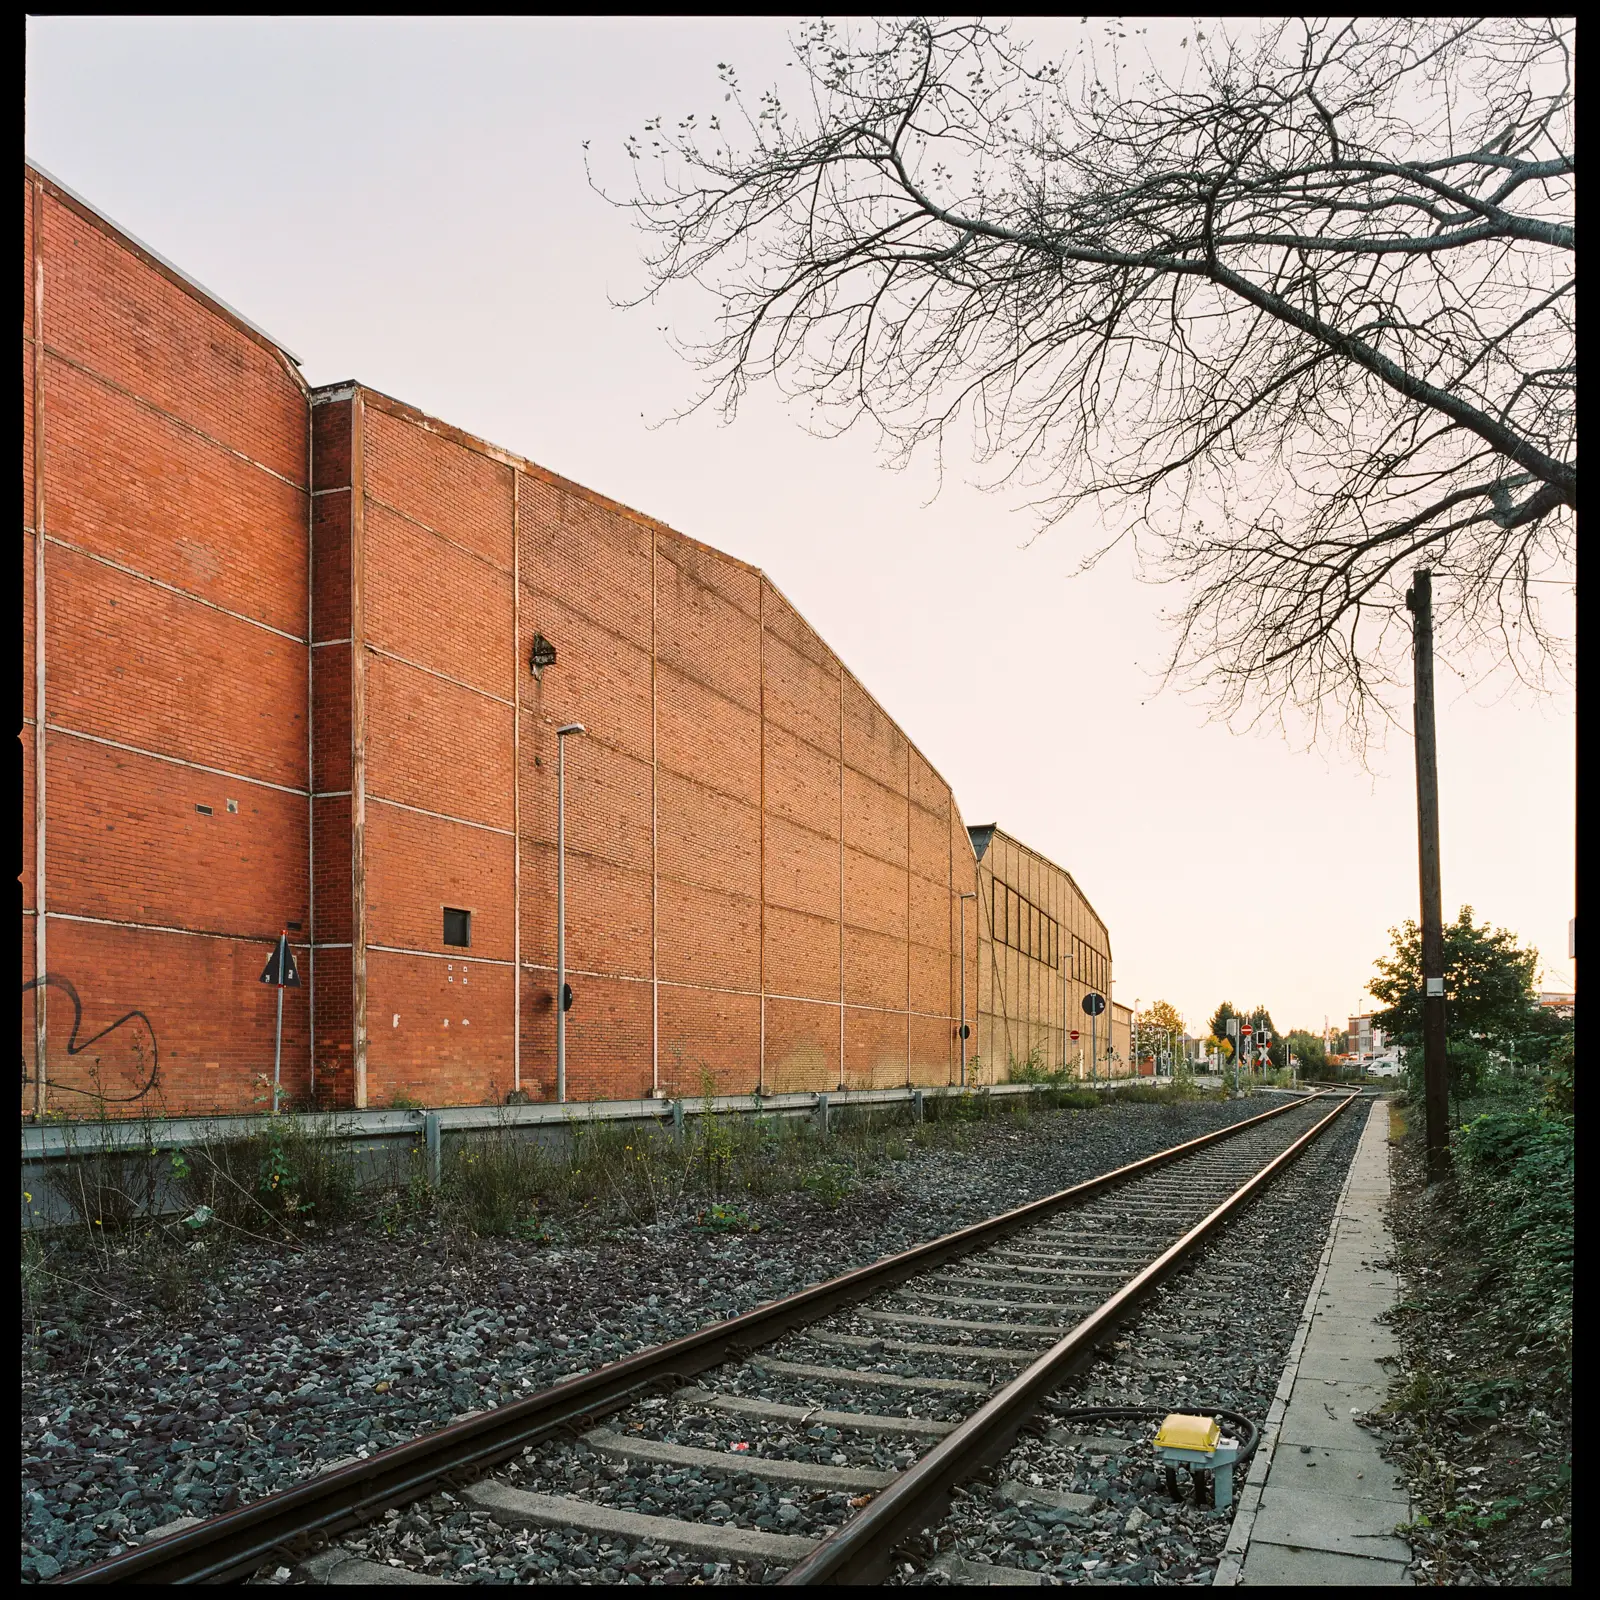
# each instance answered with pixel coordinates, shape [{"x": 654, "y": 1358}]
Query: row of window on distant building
[{"x": 1018, "y": 922}]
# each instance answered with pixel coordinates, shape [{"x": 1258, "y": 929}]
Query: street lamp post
[
  {"x": 964, "y": 899},
  {"x": 561, "y": 905}
]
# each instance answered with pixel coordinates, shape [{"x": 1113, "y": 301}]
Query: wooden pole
[{"x": 1419, "y": 601}]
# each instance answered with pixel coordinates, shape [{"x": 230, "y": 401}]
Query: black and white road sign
[
  {"x": 1094, "y": 1003},
  {"x": 280, "y": 968}
]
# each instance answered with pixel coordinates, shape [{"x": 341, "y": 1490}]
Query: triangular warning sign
[{"x": 280, "y": 968}]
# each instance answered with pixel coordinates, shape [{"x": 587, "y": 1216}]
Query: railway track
[{"x": 861, "y": 1401}]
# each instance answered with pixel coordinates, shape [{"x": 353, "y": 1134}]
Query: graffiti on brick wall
[{"x": 130, "y": 1062}]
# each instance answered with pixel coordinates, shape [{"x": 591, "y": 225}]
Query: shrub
[
  {"x": 493, "y": 1187},
  {"x": 108, "y": 1190},
  {"x": 289, "y": 1172},
  {"x": 1515, "y": 1172},
  {"x": 1560, "y": 1080}
]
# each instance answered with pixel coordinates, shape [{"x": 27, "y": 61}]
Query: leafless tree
[{"x": 1295, "y": 323}]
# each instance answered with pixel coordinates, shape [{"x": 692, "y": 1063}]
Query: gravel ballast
[{"x": 284, "y": 1361}]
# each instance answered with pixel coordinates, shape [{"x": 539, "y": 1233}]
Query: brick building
[
  {"x": 1122, "y": 1039},
  {"x": 277, "y": 675},
  {"x": 1041, "y": 949}
]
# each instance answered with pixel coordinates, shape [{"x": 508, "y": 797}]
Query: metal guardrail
[
  {"x": 53, "y": 1140},
  {"x": 375, "y": 1138}
]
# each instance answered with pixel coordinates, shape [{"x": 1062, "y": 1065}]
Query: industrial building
[
  {"x": 294, "y": 661},
  {"x": 1041, "y": 950}
]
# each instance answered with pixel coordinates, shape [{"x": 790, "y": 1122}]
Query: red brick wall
[
  {"x": 762, "y": 872},
  {"x": 760, "y": 869},
  {"x": 173, "y": 443},
  {"x": 436, "y": 583}
]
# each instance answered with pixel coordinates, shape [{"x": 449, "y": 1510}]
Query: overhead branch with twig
[{"x": 1291, "y": 323}]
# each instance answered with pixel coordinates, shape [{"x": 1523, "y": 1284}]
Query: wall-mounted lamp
[{"x": 542, "y": 655}]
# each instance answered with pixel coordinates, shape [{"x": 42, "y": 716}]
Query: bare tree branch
[{"x": 1290, "y": 323}]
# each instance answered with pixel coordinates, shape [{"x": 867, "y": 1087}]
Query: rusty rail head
[
  {"x": 234, "y": 1542},
  {"x": 861, "y": 1550}
]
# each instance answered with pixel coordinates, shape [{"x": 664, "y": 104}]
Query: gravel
[{"x": 133, "y": 1416}]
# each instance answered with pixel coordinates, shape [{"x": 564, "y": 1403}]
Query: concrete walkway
[{"x": 1319, "y": 1506}]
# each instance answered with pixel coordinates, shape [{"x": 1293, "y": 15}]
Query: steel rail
[
  {"x": 235, "y": 1542},
  {"x": 862, "y": 1549}
]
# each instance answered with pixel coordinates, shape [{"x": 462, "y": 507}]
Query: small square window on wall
[{"x": 457, "y": 927}]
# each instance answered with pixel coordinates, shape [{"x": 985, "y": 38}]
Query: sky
[{"x": 405, "y": 202}]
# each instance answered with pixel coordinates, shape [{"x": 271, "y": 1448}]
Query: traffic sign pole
[
  {"x": 281, "y": 972},
  {"x": 1094, "y": 1003},
  {"x": 277, "y": 1056},
  {"x": 277, "y": 1042}
]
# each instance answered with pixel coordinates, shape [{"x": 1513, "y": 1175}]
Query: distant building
[
  {"x": 1362, "y": 1038},
  {"x": 1121, "y": 1037},
  {"x": 1557, "y": 1000},
  {"x": 1041, "y": 950}
]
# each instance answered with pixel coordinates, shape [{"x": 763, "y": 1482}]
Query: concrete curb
[{"x": 1231, "y": 1566}]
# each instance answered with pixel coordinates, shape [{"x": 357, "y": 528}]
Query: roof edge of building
[
  {"x": 1056, "y": 865},
  {"x": 168, "y": 269}
]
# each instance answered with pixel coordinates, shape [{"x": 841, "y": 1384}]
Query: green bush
[
  {"x": 830, "y": 1182},
  {"x": 718, "y": 1218},
  {"x": 1168, "y": 1093},
  {"x": 1072, "y": 1099},
  {"x": 1515, "y": 1172},
  {"x": 1561, "y": 1078}
]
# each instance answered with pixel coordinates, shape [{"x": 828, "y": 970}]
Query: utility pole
[{"x": 1419, "y": 601}]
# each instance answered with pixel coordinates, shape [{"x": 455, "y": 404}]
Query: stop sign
[{"x": 1074, "y": 1033}]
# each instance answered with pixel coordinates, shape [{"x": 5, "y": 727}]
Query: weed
[
  {"x": 718, "y": 1218},
  {"x": 293, "y": 1170},
  {"x": 492, "y": 1188},
  {"x": 716, "y": 1140},
  {"x": 1031, "y": 1069},
  {"x": 831, "y": 1182}
]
